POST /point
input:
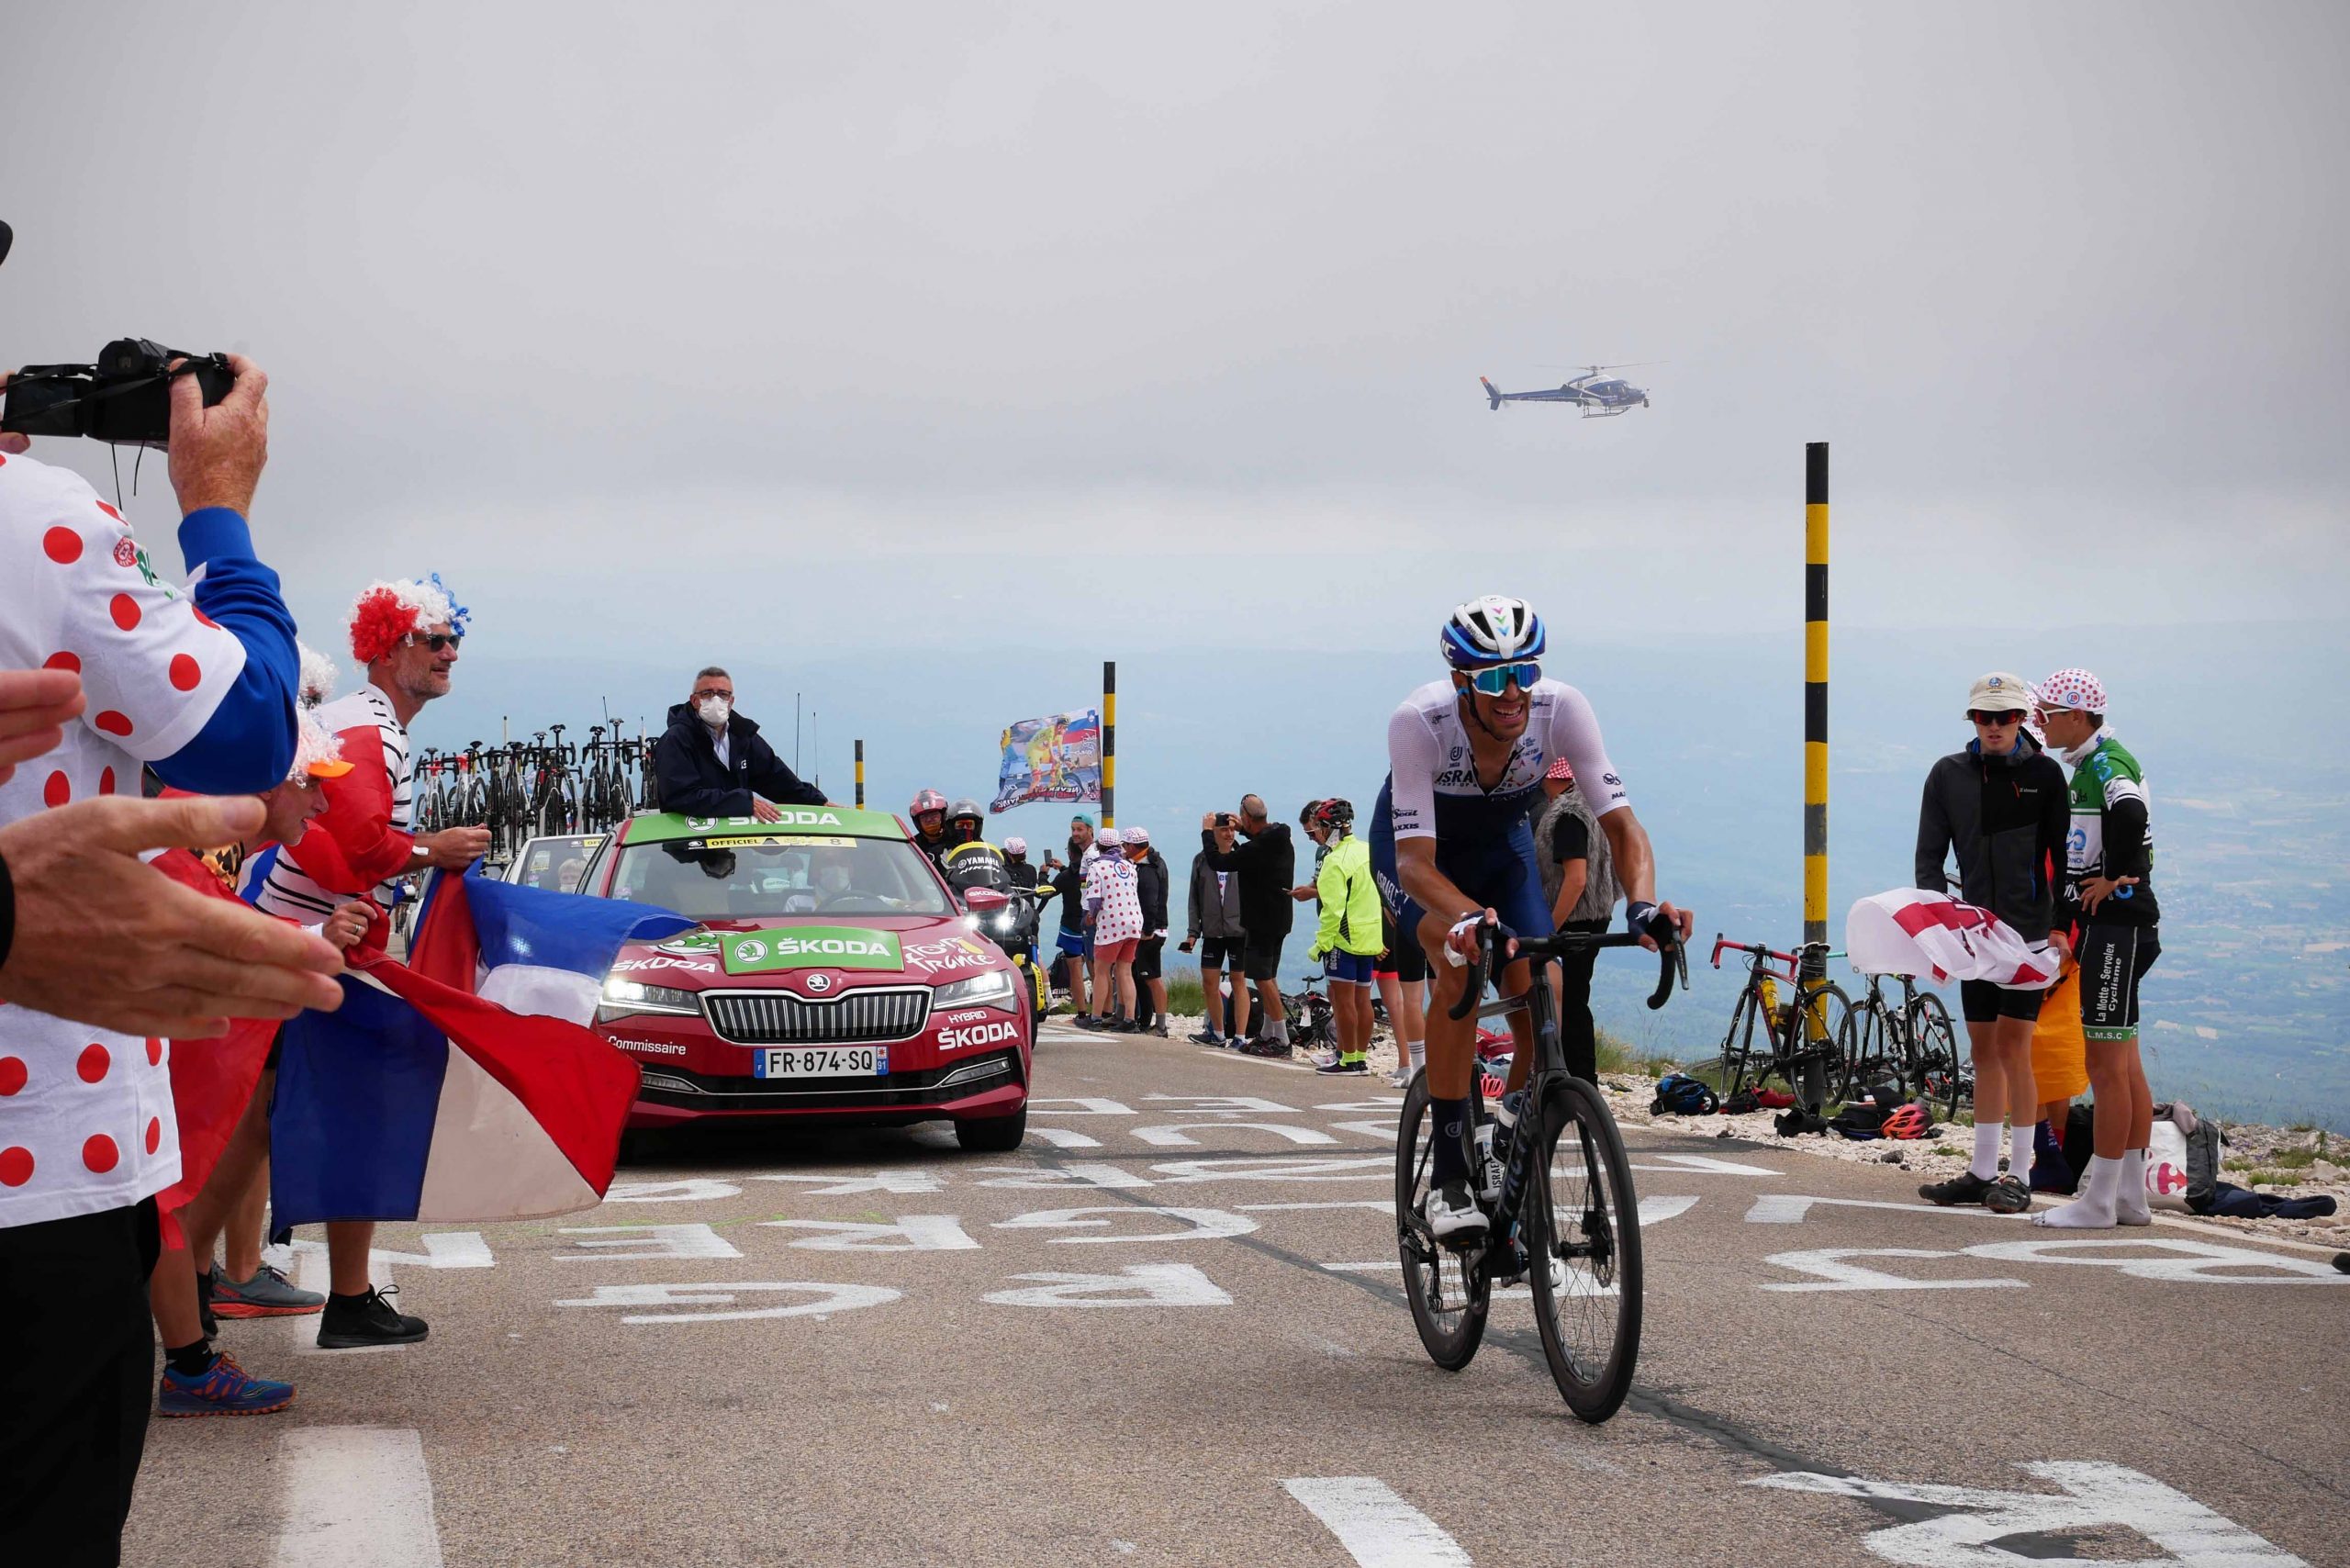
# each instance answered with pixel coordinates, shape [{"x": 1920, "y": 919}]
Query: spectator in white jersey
[{"x": 406, "y": 634}]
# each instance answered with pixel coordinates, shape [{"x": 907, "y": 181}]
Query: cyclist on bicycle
[{"x": 1453, "y": 850}]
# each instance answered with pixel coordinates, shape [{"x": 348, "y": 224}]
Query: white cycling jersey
[{"x": 1433, "y": 774}]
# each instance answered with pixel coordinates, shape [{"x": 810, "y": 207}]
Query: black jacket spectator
[
  {"x": 695, "y": 782},
  {"x": 2007, "y": 818},
  {"x": 1150, "y": 888},
  {"x": 1268, "y": 868},
  {"x": 1071, "y": 884}
]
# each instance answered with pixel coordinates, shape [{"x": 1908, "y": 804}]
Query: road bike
[
  {"x": 1807, "y": 1042},
  {"x": 1913, "y": 1043},
  {"x": 1310, "y": 1019},
  {"x": 1566, "y": 1219}
]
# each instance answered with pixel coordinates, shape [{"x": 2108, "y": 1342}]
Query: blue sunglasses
[{"x": 1495, "y": 681}]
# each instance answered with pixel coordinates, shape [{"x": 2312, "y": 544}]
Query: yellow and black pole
[
  {"x": 1814, "y": 967},
  {"x": 1109, "y": 743},
  {"x": 860, "y": 776}
]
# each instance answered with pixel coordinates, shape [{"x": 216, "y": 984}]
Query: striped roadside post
[
  {"x": 1815, "y": 742},
  {"x": 1109, "y": 743},
  {"x": 860, "y": 776}
]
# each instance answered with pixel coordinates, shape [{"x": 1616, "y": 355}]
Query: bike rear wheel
[
  {"x": 1448, "y": 1290},
  {"x": 1582, "y": 1230},
  {"x": 1935, "y": 1075}
]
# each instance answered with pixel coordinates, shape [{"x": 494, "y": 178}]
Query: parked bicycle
[
  {"x": 1566, "y": 1218},
  {"x": 1311, "y": 1022},
  {"x": 1810, "y": 1033},
  {"x": 1913, "y": 1044}
]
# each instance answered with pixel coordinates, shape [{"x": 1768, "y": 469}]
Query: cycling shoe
[{"x": 1453, "y": 1215}]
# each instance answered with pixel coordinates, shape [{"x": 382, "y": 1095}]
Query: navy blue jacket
[{"x": 693, "y": 781}]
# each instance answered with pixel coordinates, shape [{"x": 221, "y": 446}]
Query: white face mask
[{"x": 713, "y": 711}]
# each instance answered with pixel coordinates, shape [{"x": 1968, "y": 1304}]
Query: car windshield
[
  {"x": 754, "y": 876},
  {"x": 554, "y": 863}
]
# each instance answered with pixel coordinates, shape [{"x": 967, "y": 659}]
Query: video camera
[{"x": 124, "y": 398}]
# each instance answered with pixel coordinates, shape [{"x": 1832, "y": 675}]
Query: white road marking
[
  {"x": 1223, "y": 1105},
  {"x": 911, "y": 1181},
  {"x": 1207, "y": 1225},
  {"x": 2185, "y": 1260},
  {"x": 909, "y": 1233},
  {"x": 830, "y": 1298},
  {"x": 1657, "y": 1210},
  {"x": 1372, "y": 1106},
  {"x": 2095, "y": 1496},
  {"x": 1381, "y": 1204},
  {"x": 1378, "y": 1529},
  {"x": 1141, "y": 1284},
  {"x": 1063, "y": 1137},
  {"x": 318, "y": 1274},
  {"x": 1280, "y": 1168},
  {"x": 443, "y": 1249},
  {"x": 1835, "y": 1274},
  {"x": 656, "y": 1243},
  {"x": 1172, "y": 1135},
  {"x": 1704, "y": 1164},
  {"x": 1086, "y": 1105},
  {"x": 1376, "y": 1266},
  {"x": 355, "y": 1498},
  {"x": 1077, "y": 1173},
  {"x": 685, "y": 1190}
]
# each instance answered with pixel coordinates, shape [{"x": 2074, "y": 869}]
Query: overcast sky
[{"x": 745, "y": 328}]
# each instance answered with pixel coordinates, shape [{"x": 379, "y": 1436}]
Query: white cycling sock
[
  {"x": 2020, "y": 1152},
  {"x": 1986, "y": 1165},
  {"x": 1418, "y": 1055},
  {"x": 2130, "y": 1205},
  {"x": 2093, "y": 1210}
]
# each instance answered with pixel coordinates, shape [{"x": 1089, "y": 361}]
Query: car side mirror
[{"x": 981, "y": 901}]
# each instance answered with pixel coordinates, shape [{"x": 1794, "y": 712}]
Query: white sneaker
[{"x": 1453, "y": 1215}]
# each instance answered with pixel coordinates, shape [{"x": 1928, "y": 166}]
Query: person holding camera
[
  {"x": 195, "y": 680},
  {"x": 1268, "y": 866}
]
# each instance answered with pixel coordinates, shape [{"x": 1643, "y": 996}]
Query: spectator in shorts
[
  {"x": 1579, "y": 879},
  {"x": 1112, "y": 896},
  {"x": 1214, "y": 927},
  {"x": 2111, "y": 925},
  {"x": 1999, "y": 805},
  {"x": 1268, "y": 868},
  {"x": 1347, "y": 939},
  {"x": 1151, "y": 878},
  {"x": 1402, "y": 975},
  {"x": 2059, "y": 1072},
  {"x": 1074, "y": 941}
]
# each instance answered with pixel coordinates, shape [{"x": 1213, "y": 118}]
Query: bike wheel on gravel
[
  {"x": 1935, "y": 1077},
  {"x": 1448, "y": 1297},
  {"x": 1582, "y": 1230}
]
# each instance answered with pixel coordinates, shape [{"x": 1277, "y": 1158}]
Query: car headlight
[
  {"x": 622, "y": 997},
  {"x": 993, "y": 989}
]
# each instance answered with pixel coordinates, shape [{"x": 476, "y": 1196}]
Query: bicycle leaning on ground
[
  {"x": 1566, "y": 1218},
  {"x": 1913, "y": 1043},
  {"x": 1813, "y": 1031}
]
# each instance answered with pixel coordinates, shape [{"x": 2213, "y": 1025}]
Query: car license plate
[{"x": 820, "y": 1062}]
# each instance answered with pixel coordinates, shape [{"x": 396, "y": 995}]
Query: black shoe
[
  {"x": 351, "y": 1323},
  {"x": 1266, "y": 1048},
  {"x": 1962, "y": 1188}
]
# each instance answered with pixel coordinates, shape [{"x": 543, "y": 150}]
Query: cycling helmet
[
  {"x": 1336, "y": 816},
  {"x": 1493, "y": 630},
  {"x": 1305, "y": 813},
  {"x": 1910, "y": 1122}
]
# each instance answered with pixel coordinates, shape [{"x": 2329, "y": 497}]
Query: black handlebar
[{"x": 1672, "y": 958}]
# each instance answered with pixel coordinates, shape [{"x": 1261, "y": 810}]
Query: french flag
[{"x": 427, "y": 1100}]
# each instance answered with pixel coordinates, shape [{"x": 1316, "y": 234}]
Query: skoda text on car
[{"x": 832, "y": 976}]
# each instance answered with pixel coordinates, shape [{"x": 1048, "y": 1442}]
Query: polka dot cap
[{"x": 2075, "y": 688}]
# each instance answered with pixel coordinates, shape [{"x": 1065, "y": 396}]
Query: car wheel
[{"x": 994, "y": 1134}]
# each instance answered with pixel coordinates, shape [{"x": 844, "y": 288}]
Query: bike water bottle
[{"x": 1770, "y": 1003}]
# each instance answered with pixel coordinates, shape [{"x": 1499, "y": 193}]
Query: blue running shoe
[{"x": 226, "y": 1390}]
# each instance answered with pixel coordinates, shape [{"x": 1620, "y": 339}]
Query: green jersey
[{"x": 2111, "y": 836}]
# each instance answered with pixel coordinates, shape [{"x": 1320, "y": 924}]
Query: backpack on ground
[{"x": 1678, "y": 1094}]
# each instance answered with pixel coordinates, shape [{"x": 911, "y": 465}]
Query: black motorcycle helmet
[{"x": 963, "y": 821}]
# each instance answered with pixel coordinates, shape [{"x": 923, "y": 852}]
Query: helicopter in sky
[{"x": 1599, "y": 396}]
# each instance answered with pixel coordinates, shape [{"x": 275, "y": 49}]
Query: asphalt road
[{"x": 1171, "y": 1330}]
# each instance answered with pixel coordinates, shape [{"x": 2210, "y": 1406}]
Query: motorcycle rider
[
  {"x": 928, "y": 811},
  {"x": 965, "y": 822}
]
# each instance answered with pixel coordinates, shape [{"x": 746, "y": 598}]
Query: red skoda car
[{"x": 832, "y": 976}]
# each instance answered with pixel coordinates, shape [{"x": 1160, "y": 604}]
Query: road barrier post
[
  {"x": 1815, "y": 742},
  {"x": 860, "y": 776},
  {"x": 1109, "y": 743}
]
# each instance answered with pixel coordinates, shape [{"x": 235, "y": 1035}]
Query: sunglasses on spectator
[
  {"x": 2012, "y": 716},
  {"x": 1495, "y": 681},
  {"x": 436, "y": 641}
]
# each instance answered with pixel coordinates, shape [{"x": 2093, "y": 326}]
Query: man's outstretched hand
[{"x": 106, "y": 939}]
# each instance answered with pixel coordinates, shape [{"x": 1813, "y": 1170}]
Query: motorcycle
[{"x": 1011, "y": 927}]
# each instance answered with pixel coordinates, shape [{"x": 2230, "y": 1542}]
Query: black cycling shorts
[
  {"x": 1262, "y": 961},
  {"x": 1981, "y": 1001},
  {"x": 1220, "y": 953},
  {"x": 1148, "y": 954},
  {"x": 1404, "y": 958},
  {"x": 2113, "y": 960}
]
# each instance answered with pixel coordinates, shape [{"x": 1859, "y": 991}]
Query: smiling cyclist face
[{"x": 1502, "y": 715}]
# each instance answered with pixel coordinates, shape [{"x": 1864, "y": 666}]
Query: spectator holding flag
[{"x": 407, "y": 634}]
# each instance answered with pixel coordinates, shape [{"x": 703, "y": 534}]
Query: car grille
[{"x": 859, "y": 1017}]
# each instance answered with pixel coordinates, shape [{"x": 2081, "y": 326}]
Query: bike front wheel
[
  {"x": 1582, "y": 1228},
  {"x": 1449, "y": 1291},
  {"x": 1935, "y": 1074}
]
